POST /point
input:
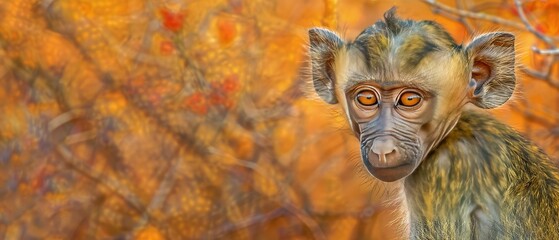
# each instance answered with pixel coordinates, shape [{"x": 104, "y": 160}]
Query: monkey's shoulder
[
  {"x": 492, "y": 137},
  {"x": 501, "y": 170},
  {"x": 483, "y": 126},
  {"x": 493, "y": 149}
]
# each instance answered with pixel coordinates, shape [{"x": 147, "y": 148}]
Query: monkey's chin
[{"x": 390, "y": 174}]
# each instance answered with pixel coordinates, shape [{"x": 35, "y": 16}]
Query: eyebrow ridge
[{"x": 355, "y": 79}]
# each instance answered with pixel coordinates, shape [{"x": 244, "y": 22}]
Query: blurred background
[{"x": 154, "y": 119}]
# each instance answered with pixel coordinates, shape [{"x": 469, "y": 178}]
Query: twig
[
  {"x": 553, "y": 51},
  {"x": 529, "y": 26},
  {"x": 64, "y": 118},
  {"x": 80, "y": 137},
  {"x": 121, "y": 191},
  {"x": 480, "y": 16},
  {"x": 301, "y": 214},
  {"x": 257, "y": 219},
  {"x": 532, "y": 116},
  {"x": 545, "y": 76},
  {"x": 462, "y": 19},
  {"x": 78, "y": 164},
  {"x": 160, "y": 195},
  {"x": 307, "y": 220}
]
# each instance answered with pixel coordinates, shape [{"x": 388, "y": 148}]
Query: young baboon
[{"x": 408, "y": 91}]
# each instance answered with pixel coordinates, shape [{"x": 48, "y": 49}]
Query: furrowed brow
[{"x": 356, "y": 78}]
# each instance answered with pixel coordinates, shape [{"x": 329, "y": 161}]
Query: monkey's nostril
[
  {"x": 385, "y": 157},
  {"x": 383, "y": 146},
  {"x": 385, "y": 151}
]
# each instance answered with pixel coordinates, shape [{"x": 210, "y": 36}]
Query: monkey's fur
[
  {"x": 486, "y": 164},
  {"x": 465, "y": 175}
]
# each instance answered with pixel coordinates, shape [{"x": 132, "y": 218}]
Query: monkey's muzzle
[{"x": 387, "y": 161}]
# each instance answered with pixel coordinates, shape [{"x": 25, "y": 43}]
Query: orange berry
[
  {"x": 226, "y": 30},
  {"x": 166, "y": 47},
  {"x": 172, "y": 20},
  {"x": 231, "y": 84},
  {"x": 197, "y": 103}
]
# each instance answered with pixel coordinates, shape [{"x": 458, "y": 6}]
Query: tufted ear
[
  {"x": 491, "y": 58},
  {"x": 324, "y": 44}
]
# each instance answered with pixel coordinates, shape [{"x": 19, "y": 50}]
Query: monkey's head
[{"x": 403, "y": 84}]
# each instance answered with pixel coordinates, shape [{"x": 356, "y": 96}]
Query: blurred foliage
[{"x": 189, "y": 119}]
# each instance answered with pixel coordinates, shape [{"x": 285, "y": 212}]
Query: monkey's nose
[{"x": 386, "y": 153}]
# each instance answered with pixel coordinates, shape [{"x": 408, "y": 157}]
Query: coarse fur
[
  {"x": 465, "y": 175},
  {"x": 484, "y": 178}
]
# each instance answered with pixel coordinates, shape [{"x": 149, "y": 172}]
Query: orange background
[{"x": 194, "y": 119}]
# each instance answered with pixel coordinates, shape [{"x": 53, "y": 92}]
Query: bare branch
[
  {"x": 123, "y": 192},
  {"x": 532, "y": 116},
  {"x": 553, "y": 51},
  {"x": 480, "y": 16},
  {"x": 529, "y": 26},
  {"x": 64, "y": 118},
  {"x": 545, "y": 76},
  {"x": 257, "y": 219},
  {"x": 462, "y": 19}
]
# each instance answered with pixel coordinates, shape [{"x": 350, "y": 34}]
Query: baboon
[{"x": 410, "y": 94}]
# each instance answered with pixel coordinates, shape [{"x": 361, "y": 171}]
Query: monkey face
[
  {"x": 388, "y": 120},
  {"x": 403, "y": 84}
]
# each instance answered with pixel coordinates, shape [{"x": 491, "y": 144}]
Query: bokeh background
[{"x": 193, "y": 119}]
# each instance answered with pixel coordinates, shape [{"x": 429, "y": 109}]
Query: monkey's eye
[
  {"x": 366, "y": 98},
  {"x": 409, "y": 99}
]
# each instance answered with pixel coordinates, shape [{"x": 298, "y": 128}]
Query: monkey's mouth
[
  {"x": 390, "y": 165},
  {"x": 387, "y": 171},
  {"x": 390, "y": 173},
  {"x": 379, "y": 165}
]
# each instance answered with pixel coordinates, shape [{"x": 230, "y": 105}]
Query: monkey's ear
[
  {"x": 492, "y": 69},
  {"x": 324, "y": 45}
]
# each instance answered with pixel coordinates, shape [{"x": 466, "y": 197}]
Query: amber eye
[
  {"x": 366, "y": 98},
  {"x": 409, "y": 99}
]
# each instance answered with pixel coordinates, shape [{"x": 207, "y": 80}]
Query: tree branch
[{"x": 480, "y": 16}]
